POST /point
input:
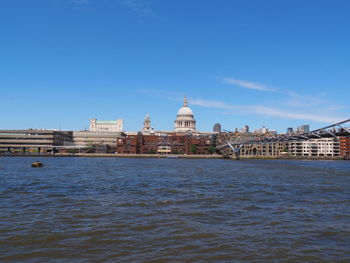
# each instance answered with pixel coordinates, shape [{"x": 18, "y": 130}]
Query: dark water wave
[{"x": 173, "y": 210}]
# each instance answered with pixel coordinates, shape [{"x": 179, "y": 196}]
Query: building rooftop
[{"x": 111, "y": 122}]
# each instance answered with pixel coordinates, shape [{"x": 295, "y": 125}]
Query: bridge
[{"x": 234, "y": 147}]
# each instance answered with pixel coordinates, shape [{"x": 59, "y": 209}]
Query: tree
[
  {"x": 211, "y": 149},
  {"x": 194, "y": 149}
]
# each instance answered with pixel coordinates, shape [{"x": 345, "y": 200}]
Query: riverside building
[
  {"x": 33, "y": 140},
  {"x": 184, "y": 139},
  {"x": 44, "y": 141},
  {"x": 165, "y": 143},
  {"x": 323, "y": 147},
  {"x": 106, "y": 126},
  {"x": 344, "y": 146},
  {"x": 99, "y": 142},
  {"x": 315, "y": 147}
]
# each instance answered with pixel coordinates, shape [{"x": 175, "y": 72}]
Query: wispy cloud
[
  {"x": 211, "y": 104},
  {"x": 140, "y": 7},
  {"x": 288, "y": 114},
  {"x": 337, "y": 107},
  {"x": 247, "y": 84},
  {"x": 293, "y": 113},
  {"x": 266, "y": 111},
  {"x": 296, "y": 100},
  {"x": 289, "y": 98}
]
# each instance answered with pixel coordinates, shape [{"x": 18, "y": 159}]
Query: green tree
[
  {"x": 211, "y": 149},
  {"x": 194, "y": 149}
]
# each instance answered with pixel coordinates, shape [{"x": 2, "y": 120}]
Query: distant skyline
[{"x": 260, "y": 63}]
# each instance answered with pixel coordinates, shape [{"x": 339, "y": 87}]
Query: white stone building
[
  {"x": 147, "y": 128},
  {"x": 106, "y": 126},
  {"x": 185, "y": 119},
  {"x": 315, "y": 147}
]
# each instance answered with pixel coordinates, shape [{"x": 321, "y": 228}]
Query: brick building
[
  {"x": 128, "y": 144},
  {"x": 344, "y": 145},
  {"x": 164, "y": 143}
]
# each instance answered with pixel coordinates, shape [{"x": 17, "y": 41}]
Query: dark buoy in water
[{"x": 37, "y": 164}]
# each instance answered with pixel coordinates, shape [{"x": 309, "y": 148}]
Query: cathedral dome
[
  {"x": 185, "y": 111},
  {"x": 185, "y": 120}
]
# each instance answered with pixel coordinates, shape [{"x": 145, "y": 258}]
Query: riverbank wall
[
  {"x": 292, "y": 157},
  {"x": 214, "y": 156}
]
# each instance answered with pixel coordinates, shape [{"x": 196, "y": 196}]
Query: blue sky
[{"x": 277, "y": 63}]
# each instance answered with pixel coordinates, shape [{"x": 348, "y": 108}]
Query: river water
[{"x": 174, "y": 210}]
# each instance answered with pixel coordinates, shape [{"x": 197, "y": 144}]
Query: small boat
[{"x": 37, "y": 164}]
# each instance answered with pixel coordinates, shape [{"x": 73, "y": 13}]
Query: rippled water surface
[{"x": 174, "y": 210}]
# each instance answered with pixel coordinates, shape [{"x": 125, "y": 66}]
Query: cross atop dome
[{"x": 185, "y": 102}]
